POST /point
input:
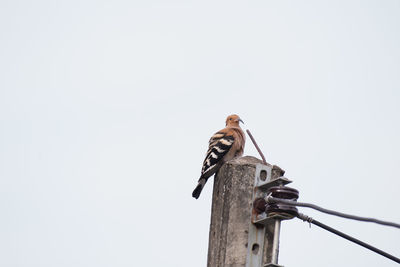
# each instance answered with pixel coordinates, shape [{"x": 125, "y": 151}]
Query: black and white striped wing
[{"x": 219, "y": 145}]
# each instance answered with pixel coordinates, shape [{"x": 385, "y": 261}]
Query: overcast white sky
[{"x": 106, "y": 108}]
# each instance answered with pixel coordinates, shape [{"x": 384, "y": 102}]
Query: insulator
[
  {"x": 259, "y": 205},
  {"x": 282, "y": 192},
  {"x": 278, "y": 208}
]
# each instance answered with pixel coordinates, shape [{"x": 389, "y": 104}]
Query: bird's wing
[{"x": 220, "y": 143}]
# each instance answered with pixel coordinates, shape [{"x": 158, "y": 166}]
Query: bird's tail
[{"x": 199, "y": 188}]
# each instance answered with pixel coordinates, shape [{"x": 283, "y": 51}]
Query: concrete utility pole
[{"x": 238, "y": 237}]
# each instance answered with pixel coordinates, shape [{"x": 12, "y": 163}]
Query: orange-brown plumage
[{"x": 224, "y": 145}]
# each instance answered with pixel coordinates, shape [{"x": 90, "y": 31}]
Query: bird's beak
[{"x": 240, "y": 120}]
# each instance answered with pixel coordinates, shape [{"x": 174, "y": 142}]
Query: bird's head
[{"x": 233, "y": 120}]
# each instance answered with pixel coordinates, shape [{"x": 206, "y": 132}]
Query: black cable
[
  {"x": 352, "y": 239},
  {"x": 332, "y": 212}
]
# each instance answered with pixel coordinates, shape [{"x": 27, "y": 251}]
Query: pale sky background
[{"x": 106, "y": 108}]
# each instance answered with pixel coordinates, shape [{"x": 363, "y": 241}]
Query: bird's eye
[{"x": 230, "y": 119}]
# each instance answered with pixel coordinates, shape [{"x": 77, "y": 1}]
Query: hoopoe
[{"x": 223, "y": 146}]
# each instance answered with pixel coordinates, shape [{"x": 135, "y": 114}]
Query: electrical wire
[
  {"x": 271, "y": 199},
  {"x": 352, "y": 239}
]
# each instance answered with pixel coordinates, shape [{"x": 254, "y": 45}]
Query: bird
[{"x": 223, "y": 146}]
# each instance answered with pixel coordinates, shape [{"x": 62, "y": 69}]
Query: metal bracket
[
  {"x": 263, "y": 219},
  {"x": 257, "y": 229},
  {"x": 264, "y": 185}
]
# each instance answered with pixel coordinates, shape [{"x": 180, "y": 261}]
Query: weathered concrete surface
[{"x": 231, "y": 213}]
